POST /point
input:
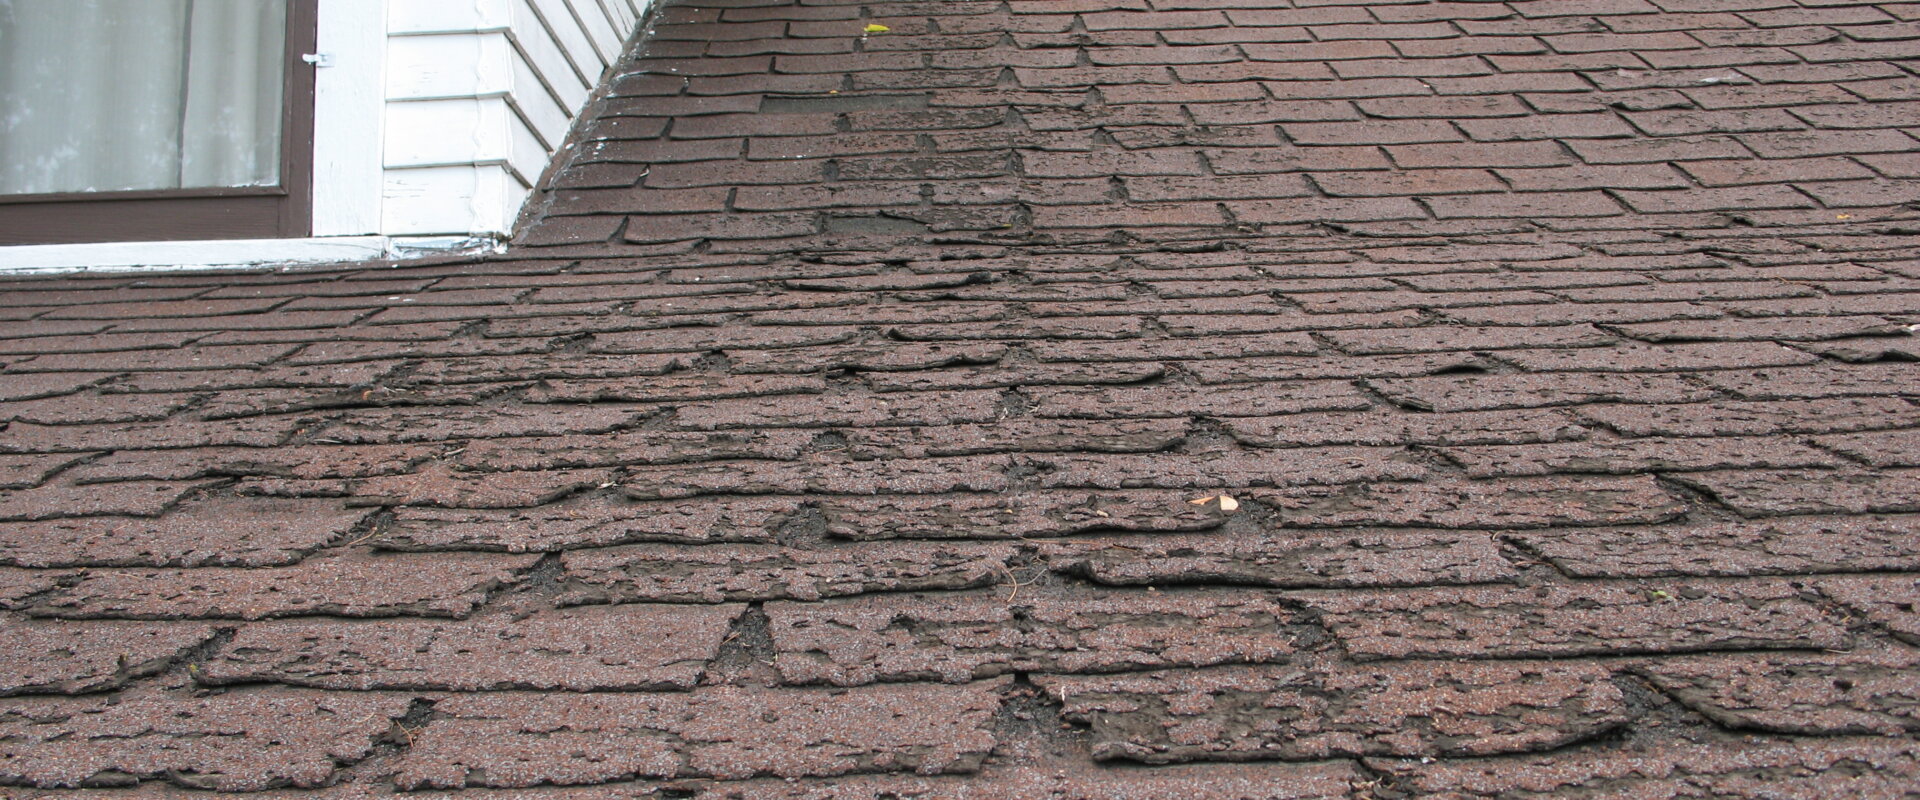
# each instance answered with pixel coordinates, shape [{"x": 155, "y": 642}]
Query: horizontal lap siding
[{"x": 512, "y": 72}]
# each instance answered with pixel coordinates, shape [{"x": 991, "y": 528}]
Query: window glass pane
[{"x": 106, "y": 95}]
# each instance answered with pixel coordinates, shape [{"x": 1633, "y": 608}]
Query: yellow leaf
[{"x": 877, "y": 28}]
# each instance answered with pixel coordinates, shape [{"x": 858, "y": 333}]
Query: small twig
[
  {"x": 370, "y": 534},
  {"x": 1012, "y": 579}
]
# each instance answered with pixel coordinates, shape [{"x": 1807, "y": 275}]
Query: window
[{"x": 136, "y": 120}]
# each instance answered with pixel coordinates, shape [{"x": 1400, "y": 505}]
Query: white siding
[
  {"x": 450, "y": 199},
  {"x": 478, "y": 95}
]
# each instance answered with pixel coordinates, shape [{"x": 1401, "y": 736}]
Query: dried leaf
[
  {"x": 1229, "y": 504},
  {"x": 1201, "y": 502}
]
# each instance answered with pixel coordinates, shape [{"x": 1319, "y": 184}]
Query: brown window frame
[{"x": 248, "y": 212}]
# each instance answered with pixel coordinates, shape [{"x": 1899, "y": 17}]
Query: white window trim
[
  {"x": 349, "y": 110},
  {"x": 118, "y": 256}
]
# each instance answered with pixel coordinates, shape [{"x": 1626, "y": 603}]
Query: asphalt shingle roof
[{"x": 1082, "y": 399}]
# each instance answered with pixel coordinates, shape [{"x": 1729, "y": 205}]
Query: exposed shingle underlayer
[{"x": 1073, "y": 399}]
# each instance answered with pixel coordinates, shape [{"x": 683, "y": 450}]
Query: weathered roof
[{"x": 1074, "y": 399}]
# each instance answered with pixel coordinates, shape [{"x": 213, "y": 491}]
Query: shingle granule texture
[{"x": 1071, "y": 399}]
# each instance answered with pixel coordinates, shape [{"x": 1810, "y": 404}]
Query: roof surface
[{"x": 1082, "y": 399}]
